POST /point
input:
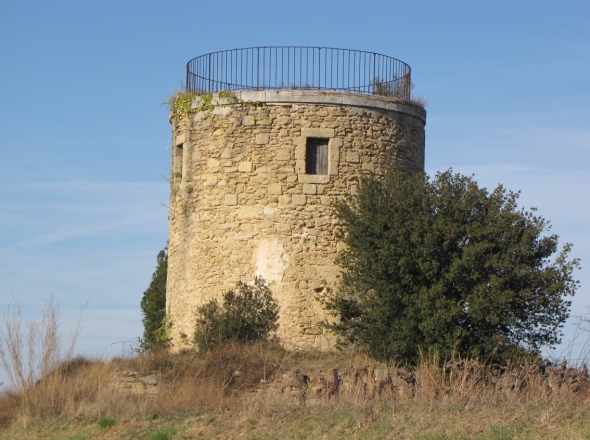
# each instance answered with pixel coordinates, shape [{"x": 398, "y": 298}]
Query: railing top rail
[
  {"x": 299, "y": 67},
  {"x": 293, "y": 47}
]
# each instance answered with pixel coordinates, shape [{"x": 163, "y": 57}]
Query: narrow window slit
[{"x": 177, "y": 163}]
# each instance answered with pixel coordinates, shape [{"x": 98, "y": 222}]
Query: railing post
[
  {"x": 374, "y": 72},
  {"x": 209, "y": 74},
  {"x": 319, "y": 68}
]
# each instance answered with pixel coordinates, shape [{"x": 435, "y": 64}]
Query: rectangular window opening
[
  {"x": 316, "y": 156},
  {"x": 177, "y": 163}
]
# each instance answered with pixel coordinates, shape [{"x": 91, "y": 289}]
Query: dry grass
[
  {"x": 211, "y": 395},
  {"x": 420, "y": 101},
  {"x": 188, "y": 384}
]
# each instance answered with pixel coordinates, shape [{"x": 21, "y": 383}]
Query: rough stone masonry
[{"x": 244, "y": 203}]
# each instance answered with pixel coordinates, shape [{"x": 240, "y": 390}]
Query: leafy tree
[
  {"x": 248, "y": 313},
  {"x": 153, "y": 307},
  {"x": 447, "y": 266}
]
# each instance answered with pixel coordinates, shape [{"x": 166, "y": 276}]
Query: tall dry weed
[
  {"x": 468, "y": 382},
  {"x": 30, "y": 354}
]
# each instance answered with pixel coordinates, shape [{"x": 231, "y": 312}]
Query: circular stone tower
[{"x": 270, "y": 140}]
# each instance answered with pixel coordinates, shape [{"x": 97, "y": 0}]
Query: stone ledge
[{"x": 301, "y": 96}]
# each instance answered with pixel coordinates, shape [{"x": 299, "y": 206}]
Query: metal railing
[{"x": 299, "y": 67}]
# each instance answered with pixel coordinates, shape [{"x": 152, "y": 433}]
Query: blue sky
[{"x": 84, "y": 140}]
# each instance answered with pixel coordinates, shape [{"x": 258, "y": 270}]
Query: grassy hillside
[{"x": 214, "y": 396}]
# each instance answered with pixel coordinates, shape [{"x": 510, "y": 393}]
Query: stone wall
[
  {"x": 352, "y": 383},
  {"x": 242, "y": 205},
  {"x": 307, "y": 386}
]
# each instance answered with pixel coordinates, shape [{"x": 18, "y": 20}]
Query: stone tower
[{"x": 274, "y": 137}]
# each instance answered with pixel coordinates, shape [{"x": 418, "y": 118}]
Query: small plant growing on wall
[
  {"x": 185, "y": 103},
  {"x": 246, "y": 313},
  {"x": 181, "y": 103}
]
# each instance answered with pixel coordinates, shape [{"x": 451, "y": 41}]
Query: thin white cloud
[
  {"x": 90, "y": 229},
  {"x": 43, "y": 213},
  {"x": 77, "y": 186}
]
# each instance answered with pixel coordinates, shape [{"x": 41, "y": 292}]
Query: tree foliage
[
  {"x": 447, "y": 266},
  {"x": 248, "y": 313},
  {"x": 153, "y": 307}
]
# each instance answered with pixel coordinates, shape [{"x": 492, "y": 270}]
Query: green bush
[
  {"x": 448, "y": 267},
  {"x": 248, "y": 313}
]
